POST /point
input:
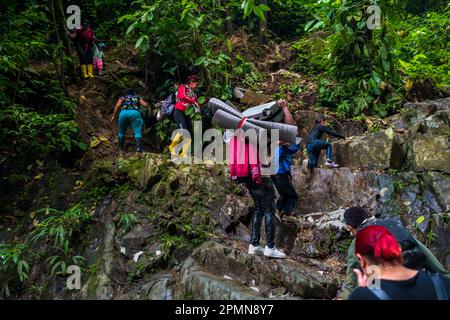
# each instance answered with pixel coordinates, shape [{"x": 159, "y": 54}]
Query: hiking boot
[
  {"x": 121, "y": 144},
  {"x": 331, "y": 164},
  {"x": 90, "y": 72},
  {"x": 138, "y": 145},
  {"x": 84, "y": 71},
  {"x": 258, "y": 250},
  {"x": 274, "y": 253}
]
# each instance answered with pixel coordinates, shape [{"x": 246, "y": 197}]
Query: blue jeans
[
  {"x": 314, "y": 148},
  {"x": 264, "y": 206},
  {"x": 131, "y": 118},
  {"x": 288, "y": 196}
]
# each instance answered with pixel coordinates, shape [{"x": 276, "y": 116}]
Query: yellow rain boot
[
  {"x": 176, "y": 140},
  {"x": 84, "y": 71},
  {"x": 89, "y": 68},
  {"x": 186, "y": 148}
]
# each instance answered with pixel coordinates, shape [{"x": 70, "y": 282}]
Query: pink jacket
[{"x": 244, "y": 160}]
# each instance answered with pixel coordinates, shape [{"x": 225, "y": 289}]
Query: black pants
[
  {"x": 264, "y": 205},
  {"x": 288, "y": 196},
  {"x": 85, "y": 56},
  {"x": 182, "y": 121}
]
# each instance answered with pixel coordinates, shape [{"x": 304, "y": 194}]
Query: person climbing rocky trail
[{"x": 111, "y": 198}]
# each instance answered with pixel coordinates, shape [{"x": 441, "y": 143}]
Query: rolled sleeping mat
[
  {"x": 229, "y": 121},
  {"x": 263, "y": 111},
  {"x": 216, "y": 104},
  {"x": 287, "y": 132},
  {"x": 277, "y": 117},
  {"x": 229, "y": 118},
  {"x": 228, "y": 102}
]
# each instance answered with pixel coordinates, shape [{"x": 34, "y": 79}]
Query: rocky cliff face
[{"x": 166, "y": 231}]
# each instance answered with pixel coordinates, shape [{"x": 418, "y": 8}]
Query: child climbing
[
  {"x": 185, "y": 98},
  {"x": 130, "y": 116},
  {"x": 99, "y": 58},
  {"x": 84, "y": 43},
  {"x": 283, "y": 177},
  {"x": 315, "y": 144},
  {"x": 245, "y": 167}
]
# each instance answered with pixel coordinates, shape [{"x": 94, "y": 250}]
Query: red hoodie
[{"x": 244, "y": 160}]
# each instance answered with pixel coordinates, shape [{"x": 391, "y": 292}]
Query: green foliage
[
  {"x": 367, "y": 51},
  {"x": 13, "y": 266},
  {"x": 127, "y": 220},
  {"x": 250, "y": 7},
  {"x": 425, "y": 50},
  {"x": 34, "y": 133},
  {"x": 408, "y": 113},
  {"x": 246, "y": 72},
  {"x": 171, "y": 243},
  {"x": 63, "y": 229},
  {"x": 312, "y": 55},
  {"x": 288, "y": 17}
]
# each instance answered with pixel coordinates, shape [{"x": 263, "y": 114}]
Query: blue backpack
[{"x": 169, "y": 105}]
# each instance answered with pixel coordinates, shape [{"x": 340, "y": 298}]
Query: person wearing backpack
[
  {"x": 186, "y": 98},
  {"x": 130, "y": 116},
  {"x": 379, "y": 251},
  {"x": 168, "y": 104},
  {"x": 415, "y": 254}
]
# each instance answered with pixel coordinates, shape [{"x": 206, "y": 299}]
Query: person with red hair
[{"x": 380, "y": 257}]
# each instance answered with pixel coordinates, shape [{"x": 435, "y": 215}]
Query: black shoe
[
  {"x": 139, "y": 145},
  {"x": 121, "y": 143}
]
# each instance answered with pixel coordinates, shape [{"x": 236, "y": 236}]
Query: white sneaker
[
  {"x": 258, "y": 250},
  {"x": 305, "y": 168},
  {"x": 331, "y": 164},
  {"x": 274, "y": 253}
]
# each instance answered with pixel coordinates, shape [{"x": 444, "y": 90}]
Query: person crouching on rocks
[
  {"x": 315, "y": 144},
  {"x": 130, "y": 116},
  {"x": 245, "y": 167},
  {"x": 283, "y": 177}
]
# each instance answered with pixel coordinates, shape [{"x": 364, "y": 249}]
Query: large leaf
[
  {"x": 309, "y": 24},
  {"x": 259, "y": 13}
]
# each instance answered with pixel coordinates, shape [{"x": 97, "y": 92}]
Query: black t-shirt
[
  {"x": 419, "y": 287},
  {"x": 318, "y": 131}
]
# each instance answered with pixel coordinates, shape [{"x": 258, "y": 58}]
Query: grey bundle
[{"x": 228, "y": 117}]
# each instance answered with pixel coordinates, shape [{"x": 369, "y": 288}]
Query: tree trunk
[
  {"x": 61, "y": 25},
  {"x": 229, "y": 21},
  {"x": 59, "y": 64},
  {"x": 263, "y": 26}
]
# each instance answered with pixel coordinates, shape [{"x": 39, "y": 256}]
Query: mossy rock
[
  {"x": 431, "y": 152},
  {"x": 144, "y": 170}
]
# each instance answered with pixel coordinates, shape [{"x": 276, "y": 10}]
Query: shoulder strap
[
  {"x": 380, "y": 293},
  {"x": 439, "y": 288}
]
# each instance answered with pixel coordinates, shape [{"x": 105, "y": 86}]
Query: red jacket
[
  {"x": 185, "y": 98},
  {"x": 85, "y": 36}
]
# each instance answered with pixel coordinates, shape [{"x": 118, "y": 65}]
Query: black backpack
[
  {"x": 439, "y": 289},
  {"x": 413, "y": 256},
  {"x": 168, "y": 105}
]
